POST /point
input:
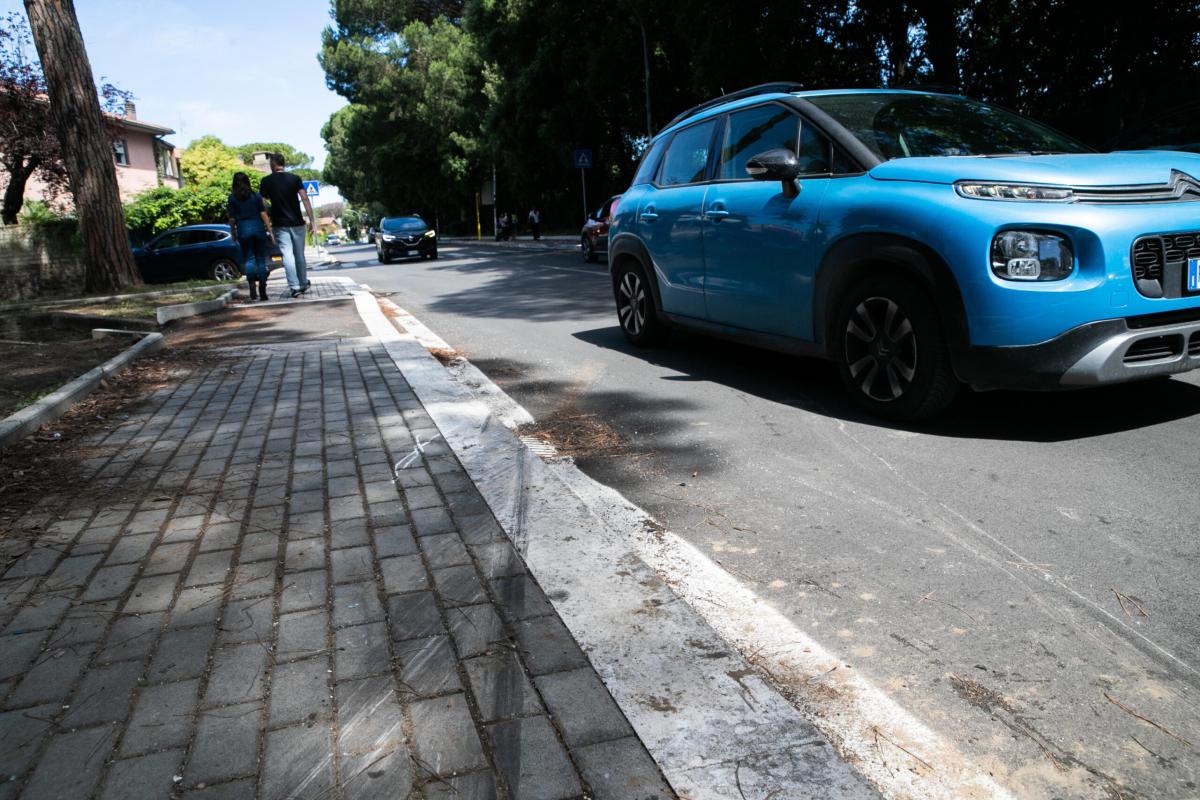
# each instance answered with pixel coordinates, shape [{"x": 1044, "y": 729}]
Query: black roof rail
[{"x": 762, "y": 88}]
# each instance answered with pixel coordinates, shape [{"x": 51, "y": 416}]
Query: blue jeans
[
  {"x": 252, "y": 236},
  {"x": 291, "y": 244}
]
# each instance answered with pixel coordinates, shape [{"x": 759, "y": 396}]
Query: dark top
[
  {"x": 282, "y": 190},
  {"x": 249, "y": 208}
]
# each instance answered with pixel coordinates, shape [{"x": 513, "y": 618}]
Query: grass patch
[
  {"x": 31, "y": 398},
  {"x": 143, "y": 308}
]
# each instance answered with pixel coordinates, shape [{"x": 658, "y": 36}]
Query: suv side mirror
[{"x": 779, "y": 164}]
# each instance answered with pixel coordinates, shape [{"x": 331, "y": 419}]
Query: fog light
[{"x": 1032, "y": 256}]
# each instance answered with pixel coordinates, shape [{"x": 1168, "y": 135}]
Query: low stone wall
[{"x": 39, "y": 260}]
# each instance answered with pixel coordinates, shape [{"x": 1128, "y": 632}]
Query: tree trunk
[
  {"x": 87, "y": 148},
  {"x": 14, "y": 193}
]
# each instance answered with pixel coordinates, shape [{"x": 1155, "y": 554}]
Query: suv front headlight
[
  {"x": 1032, "y": 256},
  {"x": 1014, "y": 191}
]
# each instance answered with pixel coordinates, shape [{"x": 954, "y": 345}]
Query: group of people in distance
[
  {"x": 272, "y": 214},
  {"x": 506, "y": 225}
]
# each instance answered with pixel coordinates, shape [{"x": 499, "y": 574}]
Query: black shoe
[
  {"x": 307, "y": 284},
  {"x": 296, "y": 293}
]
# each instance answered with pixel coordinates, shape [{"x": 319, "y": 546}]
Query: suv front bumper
[{"x": 1097, "y": 353}]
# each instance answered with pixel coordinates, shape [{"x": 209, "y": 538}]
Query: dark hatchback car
[
  {"x": 402, "y": 237},
  {"x": 189, "y": 252},
  {"x": 593, "y": 239}
]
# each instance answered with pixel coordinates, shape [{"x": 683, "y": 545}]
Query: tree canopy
[{"x": 441, "y": 91}]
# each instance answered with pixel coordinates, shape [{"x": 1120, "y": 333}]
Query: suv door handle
[
  {"x": 648, "y": 215},
  {"x": 717, "y": 213}
]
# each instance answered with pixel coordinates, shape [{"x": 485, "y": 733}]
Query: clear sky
[{"x": 243, "y": 70}]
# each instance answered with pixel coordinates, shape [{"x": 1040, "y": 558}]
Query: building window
[
  {"x": 166, "y": 161},
  {"x": 121, "y": 152}
]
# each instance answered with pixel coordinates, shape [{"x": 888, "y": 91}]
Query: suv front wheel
[{"x": 891, "y": 351}]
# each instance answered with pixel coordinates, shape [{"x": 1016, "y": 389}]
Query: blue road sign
[
  {"x": 312, "y": 188},
  {"x": 583, "y": 159}
]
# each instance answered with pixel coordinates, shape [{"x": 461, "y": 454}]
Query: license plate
[
  {"x": 1193, "y": 275},
  {"x": 409, "y": 252}
]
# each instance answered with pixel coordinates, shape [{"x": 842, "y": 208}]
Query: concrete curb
[
  {"x": 75, "y": 300},
  {"x": 16, "y": 426},
  {"x": 166, "y": 314}
]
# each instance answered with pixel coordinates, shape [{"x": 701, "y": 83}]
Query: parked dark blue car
[{"x": 190, "y": 252}]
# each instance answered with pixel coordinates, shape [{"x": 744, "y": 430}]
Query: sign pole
[
  {"x": 583, "y": 179},
  {"x": 478, "y": 225}
]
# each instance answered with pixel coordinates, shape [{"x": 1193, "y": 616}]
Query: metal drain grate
[{"x": 540, "y": 448}]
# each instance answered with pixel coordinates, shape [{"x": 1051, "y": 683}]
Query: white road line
[{"x": 573, "y": 545}]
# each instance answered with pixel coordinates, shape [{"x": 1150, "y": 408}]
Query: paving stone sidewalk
[
  {"x": 246, "y": 600},
  {"x": 323, "y": 288}
]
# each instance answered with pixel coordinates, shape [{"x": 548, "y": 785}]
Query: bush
[{"x": 163, "y": 208}]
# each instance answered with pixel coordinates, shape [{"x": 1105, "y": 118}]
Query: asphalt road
[{"x": 1021, "y": 575}]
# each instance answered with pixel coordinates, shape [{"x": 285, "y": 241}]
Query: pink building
[{"x": 143, "y": 160}]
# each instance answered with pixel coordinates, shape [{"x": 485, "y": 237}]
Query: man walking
[
  {"x": 284, "y": 191},
  {"x": 535, "y": 223}
]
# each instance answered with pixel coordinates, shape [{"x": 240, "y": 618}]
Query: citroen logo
[{"x": 1184, "y": 184}]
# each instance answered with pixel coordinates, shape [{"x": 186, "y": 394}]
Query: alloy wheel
[
  {"x": 881, "y": 349},
  {"x": 631, "y": 305},
  {"x": 225, "y": 271}
]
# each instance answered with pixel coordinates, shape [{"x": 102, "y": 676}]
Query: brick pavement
[
  {"x": 245, "y": 599},
  {"x": 323, "y": 288}
]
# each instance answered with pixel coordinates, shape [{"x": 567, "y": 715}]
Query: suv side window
[
  {"x": 649, "y": 165},
  {"x": 169, "y": 240},
  {"x": 755, "y": 131},
  {"x": 687, "y": 155}
]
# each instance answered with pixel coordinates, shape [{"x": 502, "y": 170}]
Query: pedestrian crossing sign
[
  {"x": 312, "y": 188},
  {"x": 583, "y": 159}
]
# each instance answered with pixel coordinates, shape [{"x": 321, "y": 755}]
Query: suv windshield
[
  {"x": 900, "y": 125},
  {"x": 404, "y": 225}
]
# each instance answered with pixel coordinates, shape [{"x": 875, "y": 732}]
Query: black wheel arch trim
[
  {"x": 858, "y": 254},
  {"x": 627, "y": 245}
]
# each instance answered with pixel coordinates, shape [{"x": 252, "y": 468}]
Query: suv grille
[
  {"x": 1158, "y": 262},
  {"x": 1181, "y": 188}
]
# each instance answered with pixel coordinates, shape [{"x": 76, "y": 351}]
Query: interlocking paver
[
  {"x": 301, "y": 634},
  {"x": 181, "y": 654},
  {"x": 501, "y": 687},
  {"x": 446, "y": 737},
  {"x": 237, "y": 675},
  {"x": 414, "y": 615},
  {"x": 298, "y": 763},
  {"x": 529, "y": 756},
  {"x": 356, "y": 603},
  {"x": 150, "y": 775},
  {"x": 161, "y": 718},
  {"x": 374, "y": 752},
  {"x": 585, "y": 711},
  {"x": 70, "y": 766},
  {"x": 226, "y": 744},
  {"x": 300, "y": 693},
  {"x": 476, "y": 629},
  {"x": 621, "y": 770},
  {"x": 361, "y": 651},
  {"x": 104, "y": 695},
  {"x": 428, "y": 667}
]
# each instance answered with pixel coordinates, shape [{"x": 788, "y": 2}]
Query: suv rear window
[{"x": 687, "y": 155}]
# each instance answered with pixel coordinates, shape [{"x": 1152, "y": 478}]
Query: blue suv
[{"x": 919, "y": 240}]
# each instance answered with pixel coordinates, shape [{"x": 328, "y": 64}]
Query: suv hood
[{"x": 1084, "y": 169}]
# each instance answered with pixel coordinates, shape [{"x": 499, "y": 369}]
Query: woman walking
[{"x": 251, "y": 228}]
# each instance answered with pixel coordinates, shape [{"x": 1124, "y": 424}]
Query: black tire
[
  {"x": 432, "y": 255},
  {"x": 589, "y": 252},
  {"x": 636, "y": 313},
  {"x": 891, "y": 350},
  {"x": 224, "y": 269},
  {"x": 383, "y": 257}
]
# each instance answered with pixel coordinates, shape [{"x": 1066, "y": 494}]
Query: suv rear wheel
[
  {"x": 589, "y": 252},
  {"x": 635, "y": 306},
  {"x": 891, "y": 351}
]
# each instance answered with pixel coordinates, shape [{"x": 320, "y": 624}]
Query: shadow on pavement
[{"x": 813, "y": 385}]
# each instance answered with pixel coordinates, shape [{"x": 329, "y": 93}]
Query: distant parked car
[
  {"x": 189, "y": 252},
  {"x": 371, "y": 232},
  {"x": 332, "y": 239},
  {"x": 594, "y": 236},
  {"x": 398, "y": 237}
]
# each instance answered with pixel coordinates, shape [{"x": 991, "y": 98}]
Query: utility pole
[{"x": 646, "y": 68}]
